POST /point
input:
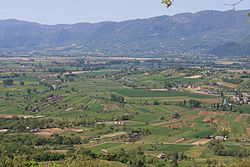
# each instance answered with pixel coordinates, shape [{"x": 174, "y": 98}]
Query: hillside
[{"x": 206, "y": 31}]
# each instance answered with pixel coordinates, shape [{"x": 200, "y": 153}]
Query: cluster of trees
[
  {"x": 17, "y": 149},
  {"x": 133, "y": 158},
  {"x": 60, "y": 70},
  {"x": 221, "y": 150},
  {"x": 194, "y": 103},
  {"x": 124, "y": 117},
  {"x": 117, "y": 98},
  {"x": 17, "y": 161},
  {"x": 9, "y": 152},
  {"x": 19, "y": 124},
  {"x": 136, "y": 158},
  {"x": 59, "y": 140},
  {"x": 25, "y": 161},
  {"x": 191, "y": 103},
  {"x": 175, "y": 157},
  {"x": 63, "y": 140},
  {"x": 82, "y": 160},
  {"x": 8, "y": 82},
  {"x": 176, "y": 115},
  {"x": 12, "y": 75},
  {"x": 233, "y": 80},
  {"x": 48, "y": 156},
  {"x": 29, "y": 140},
  {"x": 169, "y": 85}
]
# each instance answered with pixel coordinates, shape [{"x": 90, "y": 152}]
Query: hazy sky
[{"x": 73, "y": 11}]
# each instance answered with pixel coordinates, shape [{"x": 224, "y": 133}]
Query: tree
[
  {"x": 138, "y": 162},
  {"x": 184, "y": 103},
  {"x": 156, "y": 103},
  {"x": 22, "y": 161},
  {"x": 7, "y": 94},
  {"x": 194, "y": 103},
  {"x": 176, "y": 115},
  {"x": 83, "y": 161},
  {"x": 8, "y": 82},
  {"x": 167, "y": 2},
  {"x": 28, "y": 91},
  {"x": 5, "y": 162},
  {"x": 21, "y": 83},
  {"x": 117, "y": 98},
  {"x": 225, "y": 133}
]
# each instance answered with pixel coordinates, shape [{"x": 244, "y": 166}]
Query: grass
[
  {"x": 203, "y": 133},
  {"x": 238, "y": 130},
  {"x": 172, "y": 147},
  {"x": 98, "y": 148},
  {"x": 93, "y": 92},
  {"x": 245, "y": 109}
]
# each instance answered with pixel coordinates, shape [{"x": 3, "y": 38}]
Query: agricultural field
[{"x": 52, "y": 108}]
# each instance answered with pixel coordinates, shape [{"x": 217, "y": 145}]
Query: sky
[{"x": 75, "y": 11}]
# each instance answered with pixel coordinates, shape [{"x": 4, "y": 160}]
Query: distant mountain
[
  {"x": 231, "y": 49},
  {"x": 212, "y": 32}
]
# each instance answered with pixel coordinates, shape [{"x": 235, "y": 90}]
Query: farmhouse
[
  {"x": 134, "y": 136},
  {"x": 4, "y": 130},
  {"x": 161, "y": 156},
  {"x": 49, "y": 82},
  {"x": 95, "y": 138},
  {"x": 246, "y": 98},
  {"x": 220, "y": 138},
  {"x": 242, "y": 98},
  {"x": 118, "y": 123}
]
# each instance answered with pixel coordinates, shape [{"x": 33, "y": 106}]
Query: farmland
[{"x": 54, "y": 107}]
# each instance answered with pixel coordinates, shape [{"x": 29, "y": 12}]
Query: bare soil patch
[
  {"x": 180, "y": 140},
  {"x": 206, "y": 113},
  {"x": 210, "y": 100},
  {"x": 69, "y": 109},
  {"x": 248, "y": 132},
  {"x": 20, "y": 116},
  {"x": 225, "y": 62},
  {"x": 238, "y": 119},
  {"x": 6, "y": 116},
  {"x": 180, "y": 123},
  {"x": 58, "y": 151},
  {"x": 166, "y": 122},
  {"x": 107, "y": 107},
  {"x": 226, "y": 84},
  {"x": 194, "y": 77},
  {"x": 84, "y": 137},
  {"x": 210, "y": 116},
  {"x": 114, "y": 134},
  {"x": 75, "y": 72},
  {"x": 50, "y": 131},
  {"x": 73, "y": 130},
  {"x": 209, "y": 119},
  {"x": 239, "y": 71},
  {"x": 189, "y": 118},
  {"x": 158, "y": 90},
  {"x": 202, "y": 142},
  {"x": 193, "y": 125},
  {"x": 177, "y": 125}
]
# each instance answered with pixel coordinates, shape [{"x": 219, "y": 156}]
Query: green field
[
  {"x": 145, "y": 93},
  {"x": 120, "y": 116}
]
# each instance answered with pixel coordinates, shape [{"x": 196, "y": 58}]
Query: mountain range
[{"x": 224, "y": 33}]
